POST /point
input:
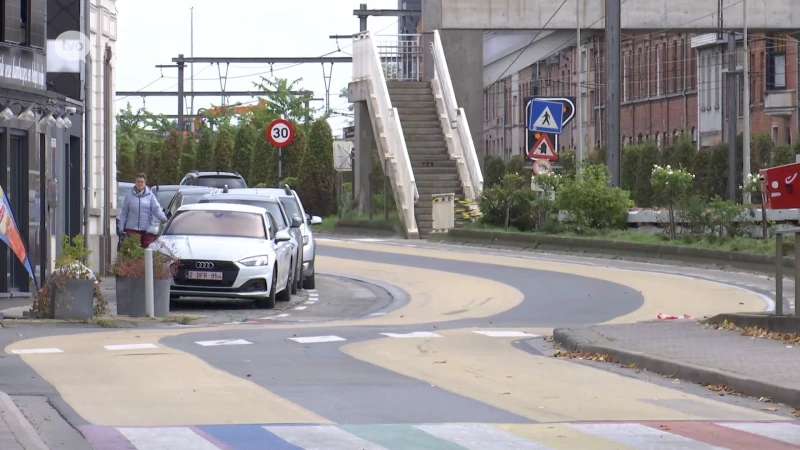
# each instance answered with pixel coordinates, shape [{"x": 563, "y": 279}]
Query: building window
[
  {"x": 740, "y": 94},
  {"x": 659, "y": 74},
  {"x": 776, "y": 63},
  {"x": 683, "y": 65}
]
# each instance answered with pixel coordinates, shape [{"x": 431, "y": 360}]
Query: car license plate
[{"x": 198, "y": 275}]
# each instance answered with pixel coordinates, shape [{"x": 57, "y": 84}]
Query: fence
[{"x": 401, "y": 56}]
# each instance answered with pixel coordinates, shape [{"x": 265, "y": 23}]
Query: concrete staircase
[{"x": 434, "y": 171}]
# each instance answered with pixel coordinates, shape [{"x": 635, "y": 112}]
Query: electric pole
[{"x": 613, "y": 151}]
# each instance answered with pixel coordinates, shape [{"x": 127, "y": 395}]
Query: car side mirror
[
  {"x": 315, "y": 220},
  {"x": 282, "y": 236},
  {"x": 297, "y": 222}
]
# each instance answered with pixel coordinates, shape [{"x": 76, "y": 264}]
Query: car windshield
[
  {"x": 291, "y": 207},
  {"x": 217, "y": 223},
  {"x": 221, "y": 181},
  {"x": 164, "y": 197},
  {"x": 272, "y": 207},
  {"x": 191, "y": 199}
]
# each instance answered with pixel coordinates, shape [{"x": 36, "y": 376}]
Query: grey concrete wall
[
  {"x": 463, "y": 50},
  {"x": 675, "y": 15}
]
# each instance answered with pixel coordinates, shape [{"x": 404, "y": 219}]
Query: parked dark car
[
  {"x": 214, "y": 179},
  {"x": 165, "y": 193},
  {"x": 123, "y": 189}
]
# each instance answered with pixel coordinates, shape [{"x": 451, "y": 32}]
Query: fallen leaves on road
[
  {"x": 789, "y": 338},
  {"x": 583, "y": 355},
  {"x": 721, "y": 389}
]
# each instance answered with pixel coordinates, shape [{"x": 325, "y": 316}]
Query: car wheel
[
  {"x": 268, "y": 302},
  {"x": 286, "y": 294},
  {"x": 309, "y": 282}
]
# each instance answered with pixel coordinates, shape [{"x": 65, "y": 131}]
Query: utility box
[
  {"x": 443, "y": 211},
  {"x": 782, "y": 186}
]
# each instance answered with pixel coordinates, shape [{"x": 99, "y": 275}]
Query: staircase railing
[
  {"x": 454, "y": 123},
  {"x": 389, "y": 133}
]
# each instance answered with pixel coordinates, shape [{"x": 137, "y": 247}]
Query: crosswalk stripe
[
  {"x": 327, "y": 437},
  {"x": 480, "y": 437},
  {"x": 246, "y": 437},
  {"x": 223, "y": 342},
  {"x": 35, "y": 351},
  {"x": 504, "y": 333},
  {"x": 641, "y": 436},
  {"x": 129, "y": 347},
  {"x": 785, "y": 432},
  {"x": 559, "y": 436},
  {"x": 413, "y": 334},
  {"x": 316, "y": 339},
  {"x": 169, "y": 438},
  {"x": 400, "y": 437}
]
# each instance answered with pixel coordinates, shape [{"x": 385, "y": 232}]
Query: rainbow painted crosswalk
[{"x": 670, "y": 435}]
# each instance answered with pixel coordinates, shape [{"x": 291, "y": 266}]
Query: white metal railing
[
  {"x": 401, "y": 56},
  {"x": 454, "y": 122},
  {"x": 391, "y": 142}
]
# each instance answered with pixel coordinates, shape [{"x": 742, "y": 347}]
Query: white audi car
[{"x": 229, "y": 251}]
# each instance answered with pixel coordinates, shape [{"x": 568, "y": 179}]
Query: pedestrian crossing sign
[
  {"x": 543, "y": 148},
  {"x": 545, "y": 116}
]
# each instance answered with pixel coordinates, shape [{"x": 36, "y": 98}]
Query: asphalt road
[{"x": 440, "y": 336}]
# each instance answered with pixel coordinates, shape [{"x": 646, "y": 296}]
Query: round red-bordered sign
[
  {"x": 542, "y": 166},
  {"x": 280, "y": 133}
]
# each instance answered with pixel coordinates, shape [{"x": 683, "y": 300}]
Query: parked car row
[{"x": 233, "y": 241}]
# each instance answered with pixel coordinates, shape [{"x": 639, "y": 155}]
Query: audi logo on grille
[{"x": 204, "y": 265}]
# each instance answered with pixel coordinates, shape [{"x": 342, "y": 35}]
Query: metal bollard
[{"x": 149, "y": 304}]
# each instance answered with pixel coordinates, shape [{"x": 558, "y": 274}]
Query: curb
[
  {"x": 22, "y": 430},
  {"x": 761, "y": 263},
  {"x": 572, "y": 341}
]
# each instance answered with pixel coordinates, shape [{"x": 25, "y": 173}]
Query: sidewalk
[
  {"x": 16, "y": 433},
  {"x": 688, "y": 350}
]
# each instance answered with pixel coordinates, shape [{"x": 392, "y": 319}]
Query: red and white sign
[
  {"x": 543, "y": 148},
  {"x": 280, "y": 133}
]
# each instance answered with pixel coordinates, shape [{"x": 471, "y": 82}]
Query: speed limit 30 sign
[{"x": 280, "y": 133}]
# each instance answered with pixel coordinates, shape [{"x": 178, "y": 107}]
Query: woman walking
[{"x": 138, "y": 211}]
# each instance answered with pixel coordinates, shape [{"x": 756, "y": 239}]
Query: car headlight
[
  {"x": 255, "y": 261},
  {"x": 305, "y": 240}
]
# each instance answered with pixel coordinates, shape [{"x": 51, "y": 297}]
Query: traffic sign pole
[{"x": 280, "y": 134}]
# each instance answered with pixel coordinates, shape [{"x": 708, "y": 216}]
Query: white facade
[{"x": 103, "y": 17}]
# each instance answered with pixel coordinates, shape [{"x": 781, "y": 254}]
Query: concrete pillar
[
  {"x": 463, "y": 50},
  {"x": 365, "y": 145}
]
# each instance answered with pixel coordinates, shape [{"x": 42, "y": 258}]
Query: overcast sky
[{"x": 152, "y": 32}]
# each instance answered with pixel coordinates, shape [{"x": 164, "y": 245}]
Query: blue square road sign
[{"x": 545, "y": 116}]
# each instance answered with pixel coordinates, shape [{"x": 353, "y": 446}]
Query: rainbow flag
[{"x": 9, "y": 233}]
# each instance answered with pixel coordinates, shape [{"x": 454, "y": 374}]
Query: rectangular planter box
[
  {"x": 73, "y": 301},
  {"x": 131, "y": 297}
]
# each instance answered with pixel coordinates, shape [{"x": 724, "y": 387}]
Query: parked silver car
[
  {"x": 275, "y": 208},
  {"x": 294, "y": 207}
]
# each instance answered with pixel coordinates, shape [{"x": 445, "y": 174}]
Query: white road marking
[
  {"x": 300, "y": 308},
  {"x": 501, "y": 333},
  {"x": 635, "y": 435},
  {"x": 129, "y": 346},
  {"x": 223, "y": 342},
  {"x": 322, "y": 437},
  {"x": 317, "y": 339},
  {"x": 166, "y": 439},
  {"x": 479, "y": 437},
  {"x": 377, "y": 314},
  {"x": 274, "y": 317},
  {"x": 414, "y": 334},
  {"x": 786, "y": 432},
  {"x": 32, "y": 351}
]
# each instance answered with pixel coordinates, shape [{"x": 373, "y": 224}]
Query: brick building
[{"x": 662, "y": 77}]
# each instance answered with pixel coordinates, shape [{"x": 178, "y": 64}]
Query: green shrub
[
  {"x": 591, "y": 203},
  {"x": 223, "y": 153},
  {"x": 494, "y": 168},
  {"x": 294, "y": 152},
  {"x": 317, "y": 176},
  {"x": 244, "y": 142},
  {"x": 509, "y": 204},
  {"x": 205, "y": 150}
]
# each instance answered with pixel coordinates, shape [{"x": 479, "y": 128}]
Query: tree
[
  {"x": 259, "y": 171},
  {"x": 154, "y": 162},
  {"x": 205, "y": 149},
  {"x": 187, "y": 155},
  {"x": 140, "y": 158},
  {"x": 317, "y": 176},
  {"x": 126, "y": 155},
  {"x": 169, "y": 169},
  {"x": 281, "y": 102},
  {"x": 243, "y": 149},
  {"x": 223, "y": 153},
  {"x": 351, "y": 108},
  {"x": 294, "y": 152}
]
